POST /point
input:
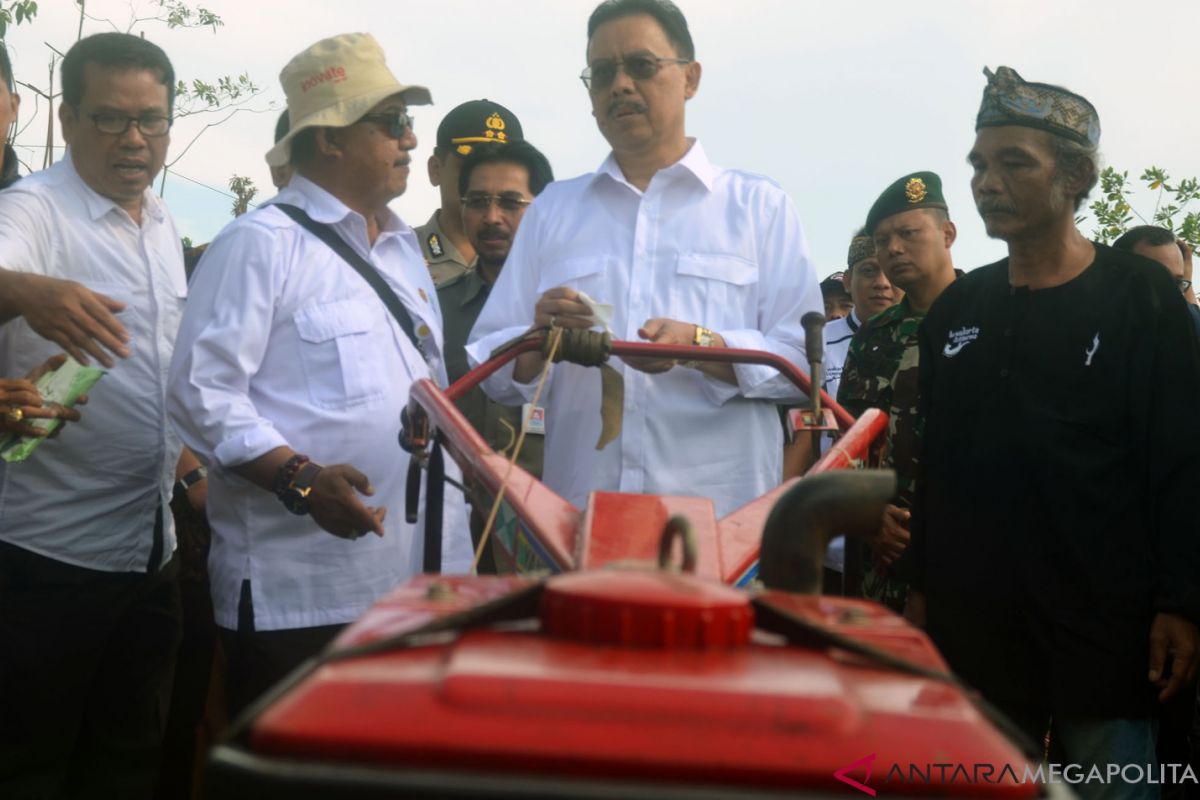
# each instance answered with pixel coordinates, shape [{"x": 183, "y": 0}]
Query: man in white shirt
[
  {"x": 686, "y": 252},
  {"x": 89, "y": 607},
  {"x": 287, "y": 359}
]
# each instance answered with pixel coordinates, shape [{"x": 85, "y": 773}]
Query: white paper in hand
[{"x": 603, "y": 312}]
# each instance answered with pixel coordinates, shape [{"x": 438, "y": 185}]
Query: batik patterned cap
[
  {"x": 861, "y": 247},
  {"x": 1008, "y": 99}
]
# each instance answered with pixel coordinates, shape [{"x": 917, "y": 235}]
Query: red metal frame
[
  {"x": 722, "y": 355},
  {"x": 560, "y": 534}
]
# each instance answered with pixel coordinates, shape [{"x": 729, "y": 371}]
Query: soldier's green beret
[
  {"x": 914, "y": 190},
  {"x": 1008, "y": 99}
]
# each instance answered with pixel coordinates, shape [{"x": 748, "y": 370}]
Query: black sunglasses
[
  {"x": 642, "y": 67},
  {"x": 394, "y": 123},
  {"x": 479, "y": 201}
]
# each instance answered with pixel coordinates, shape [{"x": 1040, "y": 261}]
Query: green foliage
[
  {"x": 180, "y": 15},
  {"x": 245, "y": 190},
  {"x": 17, "y": 11},
  {"x": 1114, "y": 214},
  {"x": 205, "y": 96}
]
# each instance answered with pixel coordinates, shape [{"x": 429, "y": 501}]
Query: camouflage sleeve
[
  {"x": 862, "y": 384},
  {"x": 851, "y": 392},
  {"x": 904, "y": 420}
]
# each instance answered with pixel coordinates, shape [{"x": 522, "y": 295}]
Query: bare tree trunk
[{"x": 48, "y": 158}]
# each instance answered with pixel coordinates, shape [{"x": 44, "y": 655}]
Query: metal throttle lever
[{"x": 814, "y": 349}]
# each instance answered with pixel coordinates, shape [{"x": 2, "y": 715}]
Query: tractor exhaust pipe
[{"x": 813, "y": 511}]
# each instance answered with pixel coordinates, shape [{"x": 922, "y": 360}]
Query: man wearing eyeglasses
[
  {"x": 1159, "y": 244},
  {"x": 686, "y": 253},
  {"x": 89, "y": 606},
  {"x": 497, "y": 183},
  {"x": 444, "y": 241},
  {"x": 292, "y": 370}
]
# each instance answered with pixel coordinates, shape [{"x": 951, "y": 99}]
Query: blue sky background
[{"x": 833, "y": 99}]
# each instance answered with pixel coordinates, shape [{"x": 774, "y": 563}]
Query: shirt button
[
  {"x": 1008, "y": 331},
  {"x": 1004, "y": 372}
]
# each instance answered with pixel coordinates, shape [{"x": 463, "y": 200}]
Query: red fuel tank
[{"x": 620, "y": 683}]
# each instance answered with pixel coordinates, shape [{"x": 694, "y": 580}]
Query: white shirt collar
[
  {"x": 694, "y": 162},
  {"x": 98, "y": 205},
  {"x": 325, "y": 207}
]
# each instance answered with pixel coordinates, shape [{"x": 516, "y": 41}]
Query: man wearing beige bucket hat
[{"x": 288, "y": 359}]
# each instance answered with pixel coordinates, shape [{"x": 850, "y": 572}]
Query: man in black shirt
[{"x": 1054, "y": 545}]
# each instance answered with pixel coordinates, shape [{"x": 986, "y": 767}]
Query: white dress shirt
[
  {"x": 89, "y": 497},
  {"x": 283, "y": 343},
  {"x": 838, "y": 334},
  {"x": 715, "y": 247}
]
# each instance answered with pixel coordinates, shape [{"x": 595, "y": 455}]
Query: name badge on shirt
[{"x": 533, "y": 419}]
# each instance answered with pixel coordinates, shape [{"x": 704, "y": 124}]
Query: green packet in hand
[{"x": 63, "y": 386}]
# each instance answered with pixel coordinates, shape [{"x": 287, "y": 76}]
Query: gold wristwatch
[{"x": 703, "y": 337}]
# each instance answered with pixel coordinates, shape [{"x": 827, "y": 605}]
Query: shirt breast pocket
[
  {"x": 341, "y": 353},
  {"x": 721, "y": 289},
  {"x": 581, "y": 274}
]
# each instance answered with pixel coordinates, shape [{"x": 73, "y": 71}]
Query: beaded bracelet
[{"x": 286, "y": 473}]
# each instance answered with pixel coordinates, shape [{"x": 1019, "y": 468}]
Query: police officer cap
[{"x": 478, "y": 122}]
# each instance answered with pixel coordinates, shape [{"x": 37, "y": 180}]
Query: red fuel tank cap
[{"x": 645, "y": 608}]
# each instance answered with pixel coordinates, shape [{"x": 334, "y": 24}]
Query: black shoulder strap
[{"x": 363, "y": 267}]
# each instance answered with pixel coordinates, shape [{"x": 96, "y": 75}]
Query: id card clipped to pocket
[{"x": 533, "y": 419}]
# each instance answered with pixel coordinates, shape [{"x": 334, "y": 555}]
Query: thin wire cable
[{"x": 555, "y": 338}]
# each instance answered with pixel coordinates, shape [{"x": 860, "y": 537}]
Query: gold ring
[{"x": 14, "y": 415}]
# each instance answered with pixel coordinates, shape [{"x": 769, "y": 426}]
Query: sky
[{"x": 833, "y": 99}]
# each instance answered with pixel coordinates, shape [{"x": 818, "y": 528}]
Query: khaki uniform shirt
[
  {"x": 441, "y": 256},
  {"x": 461, "y": 299}
]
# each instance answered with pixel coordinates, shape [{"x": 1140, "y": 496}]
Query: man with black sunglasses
[
  {"x": 686, "y": 253},
  {"x": 310, "y": 319},
  {"x": 89, "y": 605},
  {"x": 447, "y": 248},
  {"x": 497, "y": 184}
]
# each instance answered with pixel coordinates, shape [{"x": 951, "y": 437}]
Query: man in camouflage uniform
[
  {"x": 911, "y": 228},
  {"x": 447, "y": 250}
]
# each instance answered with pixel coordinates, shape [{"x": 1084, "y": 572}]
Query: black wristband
[{"x": 191, "y": 479}]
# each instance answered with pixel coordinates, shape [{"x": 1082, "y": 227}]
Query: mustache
[
  {"x": 494, "y": 233},
  {"x": 989, "y": 207},
  {"x": 622, "y": 106}
]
